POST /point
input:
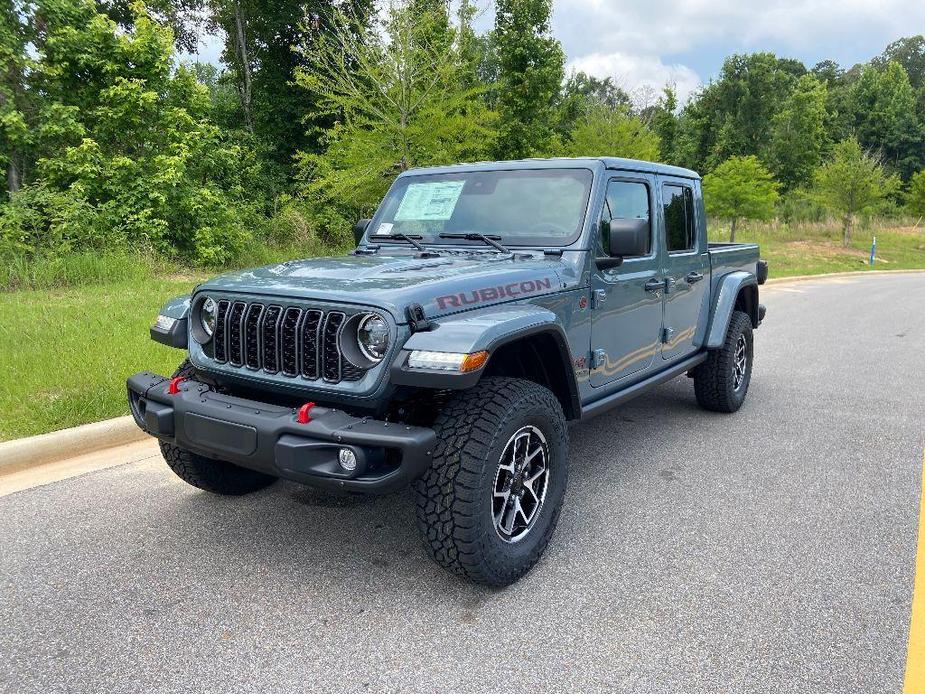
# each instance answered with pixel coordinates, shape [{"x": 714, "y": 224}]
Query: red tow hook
[
  {"x": 304, "y": 417},
  {"x": 174, "y": 386}
]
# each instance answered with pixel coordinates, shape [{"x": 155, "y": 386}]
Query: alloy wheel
[
  {"x": 520, "y": 484},
  {"x": 740, "y": 362}
]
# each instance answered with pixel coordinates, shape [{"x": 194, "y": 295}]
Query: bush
[
  {"x": 915, "y": 198},
  {"x": 124, "y": 151},
  {"x": 40, "y": 219},
  {"x": 293, "y": 222},
  {"x": 800, "y": 207}
]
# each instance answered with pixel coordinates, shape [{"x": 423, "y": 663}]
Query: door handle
[
  {"x": 654, "y": 285},
  {"x": 693, "y": 277}
]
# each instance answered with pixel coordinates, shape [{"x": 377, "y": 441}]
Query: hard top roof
[{"x": 615, "y": 163}]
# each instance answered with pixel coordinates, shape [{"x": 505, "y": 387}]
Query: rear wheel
[
  {"x": 721, "y": 382},
  {"x": 488, "y": 505},
  {"x": 215, "y": 476}
]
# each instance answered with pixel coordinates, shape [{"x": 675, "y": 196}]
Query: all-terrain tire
[
  {"x": 215, "y": 476},
  {"x": 455, "y": 510},
  {"x": 715, "y": 380}
]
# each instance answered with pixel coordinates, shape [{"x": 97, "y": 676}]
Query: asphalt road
[{"x": 767, "y": 551}]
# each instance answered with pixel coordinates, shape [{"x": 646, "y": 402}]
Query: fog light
[{"x": 347, "y": 459}]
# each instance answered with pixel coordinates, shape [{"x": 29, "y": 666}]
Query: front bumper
[{"x": 270, "y": 439}]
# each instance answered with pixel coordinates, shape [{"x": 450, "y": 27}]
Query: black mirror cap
[
  {"x": 629, "y": 237},
  {"x": 359, "y": 229},
  {"x": 609, "y": 262},
  {"x": 761, "y": 271}
]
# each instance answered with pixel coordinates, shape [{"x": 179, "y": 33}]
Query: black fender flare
[
  {"x": 727, "y": 296},
  {"x": 172, "y": 320},
  {"x": 504, "y": 326}
]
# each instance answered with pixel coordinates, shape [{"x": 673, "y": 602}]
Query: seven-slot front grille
[{"x": 287, "y": 340}]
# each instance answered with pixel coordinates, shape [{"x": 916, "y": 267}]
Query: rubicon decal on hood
[{"x": 478, "y": 296}]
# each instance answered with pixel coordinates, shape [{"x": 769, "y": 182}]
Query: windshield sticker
[
  {"x": 429, "y": 201},
  {"x": 384, "y": 228}
]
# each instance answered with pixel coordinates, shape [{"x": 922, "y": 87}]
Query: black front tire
[
  {"x": 455, "y": 498},
  {"x": 215, "y": 476},
  {"x": 718, "y": 384}
]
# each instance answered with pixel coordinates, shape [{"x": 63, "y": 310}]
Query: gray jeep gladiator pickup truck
[{"x": 485, "y": 306}]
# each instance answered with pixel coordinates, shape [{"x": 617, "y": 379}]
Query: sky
[{"x": 644, "y": 45}]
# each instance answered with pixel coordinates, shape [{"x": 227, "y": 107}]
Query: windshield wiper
[
  {"x": 472, "y": 236},
  {"x": 410, "y": 238}
]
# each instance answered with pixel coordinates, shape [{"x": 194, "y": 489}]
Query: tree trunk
[
  {"x": 732, "y": 231},
  {"x": 404, "y": 164},
  {"x": 245, "y": 88},
  {"x": 13, "y": 181},
  {"x": 846, "y": 230}
]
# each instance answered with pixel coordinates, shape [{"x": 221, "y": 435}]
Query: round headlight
[
  {"x": 373, "y": 337},
  {"x": 208, "y": 312}
]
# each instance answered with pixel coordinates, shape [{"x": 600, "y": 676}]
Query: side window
[
  {"x": 678, "y": 206},
  {"x": 625, "y": 200}
]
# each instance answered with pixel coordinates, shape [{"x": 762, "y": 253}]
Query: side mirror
[
  {"x": 622, "y": 238},
  {"x": 629, "y": 237},
  {"x": 359, "y": 229}
]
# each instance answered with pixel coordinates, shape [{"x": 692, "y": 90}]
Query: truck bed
[{"x": 730, "y": 257}]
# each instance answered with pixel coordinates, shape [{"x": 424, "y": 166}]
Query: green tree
[
  {"x": 885, "y": 117},
  {"x": 470, "y": 45},
  {"x": 852, "y": 182},
  {"x": 908, "y": 52},
  {"x": 798, "y": 135},
  {"x": 581, "y": 93},
  {"x": 184, "y": 17},
  {"x": 740, "y": 188},
  {"x": 613, "y": 132},
  {"x": 400, "y": 99},
  {"x": 915, "y": 198},
  {"x": 839, "y": 108},
  {"x": 530, "y": 63},
  {"x": 122, "y": 147},
  {"x": 665, "y": 123},
  {"x": 15, "y": 99},
  {"x": 733, "y": 116},
  {"x": 260, "y": 56}
]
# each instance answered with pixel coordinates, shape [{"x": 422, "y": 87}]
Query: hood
[{"x": 446, "y": 284}]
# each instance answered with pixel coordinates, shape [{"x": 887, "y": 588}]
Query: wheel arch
[
  {"x": 737, "y": 291},
  {"x": 173, "y": 332},
  {"x": 541, "y": 355},
  {"x": 523, "y": 341}
]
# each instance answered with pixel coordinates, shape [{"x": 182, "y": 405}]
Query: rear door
[
  {"x": 626, "y": 316},
  {"x": 685, "y": 266}
]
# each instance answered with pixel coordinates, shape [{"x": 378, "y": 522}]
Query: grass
[
  {"x": 72, "y": 329},
  {"x": 65, "y": 353},
  {"x": 812, "y": 249},
  {"x": 80, "y": 327},
  {"x": 19, "y": 272},
  {"x": 45, "y": 272}
]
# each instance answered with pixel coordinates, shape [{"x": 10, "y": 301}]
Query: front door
[
  {"x": 626, "y": 315},
  {"x": 686, "y": 267}
]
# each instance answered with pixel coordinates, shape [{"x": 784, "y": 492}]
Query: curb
[
  {"x": 67, "y": 443},
  {"x": 848, "y": 273}
]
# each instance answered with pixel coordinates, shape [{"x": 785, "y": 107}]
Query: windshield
[{"x": 527, "y": 207}]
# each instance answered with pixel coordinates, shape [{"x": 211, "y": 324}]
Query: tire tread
[
  {"x": 447, "y": 495},
  {"x": 713, "y": 379}
]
